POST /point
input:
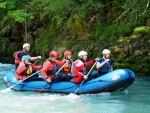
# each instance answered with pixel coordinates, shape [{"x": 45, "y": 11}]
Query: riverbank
[{"x": 132, "y": 53}]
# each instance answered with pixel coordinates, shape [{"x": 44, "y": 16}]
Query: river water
[{"x": 135, "y": 99}]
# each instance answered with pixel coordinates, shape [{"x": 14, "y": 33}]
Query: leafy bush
[{"x": 125, "y": 29}]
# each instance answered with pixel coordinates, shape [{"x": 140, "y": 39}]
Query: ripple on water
[{"x": 134, "y": 99}]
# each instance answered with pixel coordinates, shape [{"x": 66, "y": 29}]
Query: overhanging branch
[{"x": 122, "y": 14}]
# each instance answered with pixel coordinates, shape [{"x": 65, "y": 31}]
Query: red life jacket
[
  {"x": 28, "y": 70},
  {"x": 67, "y": 67},
  {"x": 77, "y": 70},
  {"x": 50, "y": 72},
  {"x": 23, "y": 71},
  {"x": 17, "y": 59}
]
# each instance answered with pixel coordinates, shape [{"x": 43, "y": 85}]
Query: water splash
[{"x": 117, "y": 102}]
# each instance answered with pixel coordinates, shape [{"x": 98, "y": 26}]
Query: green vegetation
[{"x": 73, "y": 25}]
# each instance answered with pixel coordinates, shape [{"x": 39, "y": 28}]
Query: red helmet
[
  {"x": 79, "y": 65},
  {"x": 67, "y": 53},
  {"x": 54, "y": 53}
]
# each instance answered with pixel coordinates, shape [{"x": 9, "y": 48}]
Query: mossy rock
[{"x": 142, "y": 30}]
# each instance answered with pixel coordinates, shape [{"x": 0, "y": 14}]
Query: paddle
[
  {"x": 7, "y": 89},
  {"x": 52, "y": 79},
  {"x": 87, "y": 76},
  {"x": 36, "y": 61}
]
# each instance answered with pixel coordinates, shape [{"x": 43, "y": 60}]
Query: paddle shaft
[
  {"x": 87, "y": 76},
  {"x": 36, "y": 61},
  {"x": 52, "y": 79},
  {"x": 59, "y": 71},
  {"x": 24, "y": 79},
  {"x": 42, "y": 88},
  {"x": 30, "y": 75}
]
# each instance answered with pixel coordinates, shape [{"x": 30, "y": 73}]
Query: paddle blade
[{"x": 40, "y": 90}]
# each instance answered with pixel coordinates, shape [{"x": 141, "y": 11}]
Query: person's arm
[
  {"x": 22, "y": 53},
  {"x": 19, "y": 70},
  {"x": 99, "y": 65},
  {"x": 36, "y": 67},
  {"x": 44, "y": 69},
  {"x": 59, "y": 63},
  {"x": 77, "y": 73},
  {"x": 35, "y": 58},
  {"x": 89, "y": 63}
]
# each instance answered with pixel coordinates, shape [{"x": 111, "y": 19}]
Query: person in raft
[
  {"x": 18, "y": 54},
  {"x": 25, "y": 69},
  {"x": 67, "y": 62},
  {"x": 104, "y": 65},
  {"x": 49, "y": 68},
  {"x": 79, "y": 68}
]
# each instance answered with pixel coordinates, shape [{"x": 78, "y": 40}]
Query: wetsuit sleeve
[
  {"x": 78, "y": 76},
  {"x": 77, "y": 73},
  {"x": 19, "y": 70},
  {"x": 59, "y": 63},
  {"x": 89, "y": 63},
  {"x": 34, "y": 67},
  {"x": 45, "y": 69}
]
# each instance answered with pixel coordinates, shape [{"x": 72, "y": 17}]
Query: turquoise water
[{"x": 135, "y": 99}]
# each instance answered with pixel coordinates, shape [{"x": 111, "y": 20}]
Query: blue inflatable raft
[{"x": 116, "y": 80}]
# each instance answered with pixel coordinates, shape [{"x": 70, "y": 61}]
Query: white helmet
[
  {"x": 82, "y": 53},
  {"x": 106, "y": 51},
  {"x": 25, "y": 45}
]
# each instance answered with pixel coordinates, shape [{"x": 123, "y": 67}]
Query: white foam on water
[
  {"x": 72, "y": 95},
  {"x": 5, "y": 90},
  {"x": 116, "y": 102}
]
